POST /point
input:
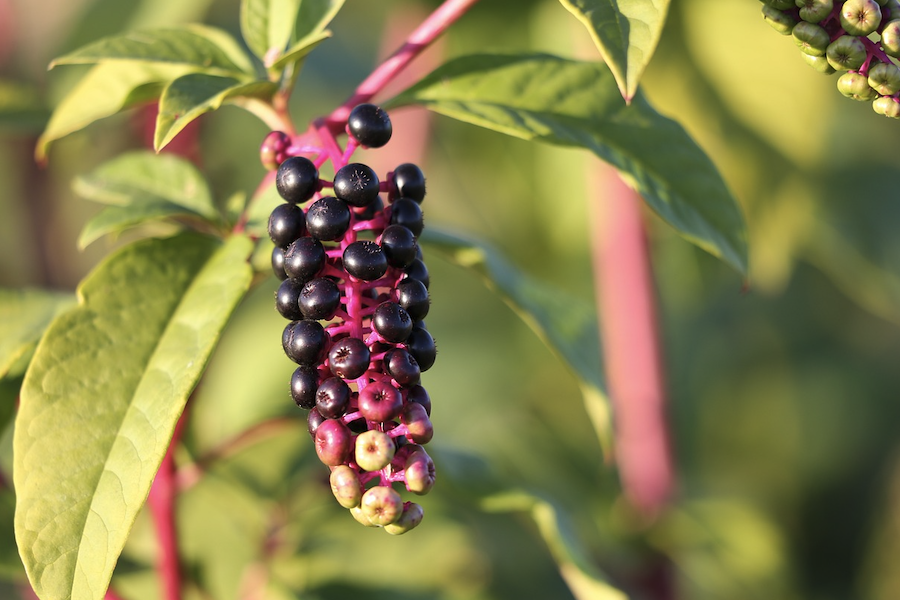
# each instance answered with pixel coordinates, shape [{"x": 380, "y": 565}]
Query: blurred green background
[{"x": 784, "y": 399}]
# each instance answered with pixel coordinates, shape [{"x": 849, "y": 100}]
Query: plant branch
[{"x": 430, "y": 29}]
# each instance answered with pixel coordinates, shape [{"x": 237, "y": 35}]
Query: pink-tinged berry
[
  {"x": 360, "y": 516},
  {"x": 345, "y": 486},
  {"x": 374, "y": 450},
  {"x": 273, "y": 149},
  {"x": 382, "y": 505},
  {"x": 418, "y": 425},
  {"x": 333, "y": 442},
  {"x": 419, "y": 472},
  {"x": 380, "y": 401},
  {"x": 410, "y": 518}
]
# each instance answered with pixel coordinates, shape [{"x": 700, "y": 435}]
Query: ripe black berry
[
  {"x": 328, "y": 219},
  {"x": 402, "y": 367},
  {"x": 413, "y": 296},
  {"x": 286, "y": 224},
  {"x": 356, "y": 184},
  {"x": 278, "y": 263},
  {"x": 399, "y": 245},
  {"x": 332, "y": 398},
  {"x": 304, "y": 258},
  {"x": 419, "y": 395},
  {"x": 313, "y": 421},
  {"x": 304, "y": 342},
  {"x": 365, "y": 260},
  {"x": 370, "y": 125},
  {"x": 297, "y": 179},
  {"x": 319, "y": 298},
  {"x": 406, "y": 212},
  {"x": 371, "y": 210},
  {"x": 392, "y": 322},
  {"x": 349, "y": 358},
  {"x": 287, "y": 299},
  {"x": 304, "y": 383},
  {"x": 421, "y": 346},
  {"x": 418, "y": 271},
  {"x": 409, "y": 182}
]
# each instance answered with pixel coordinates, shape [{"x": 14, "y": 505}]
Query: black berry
[
  {"x": 413, "y": 296},
  {"x": 392, "y": 322},
  {"x": 319, "y": 298},
  {"x": 349, "y": 358},
  {"x": 371, "y": 210},
  {"x": 421, "y": 346},
  {"x": 328, "y": 219},
  {"x": 278, "y": 263},
  {"x": 399, "y": 245},
  {"x": 286, "y": 224},
  {"x": 418, "y": 271},
  {"x": 370, "y": 125},
  {"x": 287, "y": 299},
  {"x": 304, "y": 342},
  {"x": 402, "y": 367},
  {"x": 365, "y": 260},
  {"x": 297, "y": 179},
  {"x": 304, "y": 383},
  {"x": 409, "y": 182},
  {"x": 304, "y": 258},
  {"x": 313, "y": 421},
  {"x": 406, "y": 212},
  {"x": 419, "y": 395},
  {"x": 332, "y": 398},
  {"x": 356, "y": 184}
]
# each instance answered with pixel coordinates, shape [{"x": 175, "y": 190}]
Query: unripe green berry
[
  {"x": 345, "y": 486},
  {"x": 887, "y": 106},
  {"x": 374, "y": 450},
  {"x": 884, "y": 78},
  {"x": 411, "y": 517},
  {"x": 419, "y": 472},
  {"x": 856, "y": 86},
  {"x": 814, "y": 11},
  {"x": 780, "y": 21},
  {"x": 779, "y": 4},
  {"x": 361, "y": 517},
  {"x": 417, "y": 423},
  {"x": 860, "y": 17},
  {"x": 819, "y": 63},
  {"x": 890, "y": 38},
  {"x": 847, "y": 53},
  {"x": 890, "y": 11},
  {"x": 811, "y": 39},
  {"x": 382, "y": 505}
]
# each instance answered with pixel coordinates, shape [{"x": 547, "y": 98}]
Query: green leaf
[
  {"x": 570, "y": 103},
  {"x": 577, "y": 568},
  {"x": 309, "y": 30},
  {"x": 298, "y": 51},
  {"x": 267, "y": 24},
  {"x": 100, "y": 401},
  {"x": 626, "y": 33},
  {"x": 190, "y": 96},
  {"x": 565, "y": 324},
  {"x": 206, "y": 48},
  {"x": 24, "y": 316},
  {"x": 107, "y": 89},
  {"x": 21, "y": 108}
]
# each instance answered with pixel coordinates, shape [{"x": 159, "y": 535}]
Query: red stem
[
  {"x": 418, "y": 40},
  {"x": 162, "y": 507},
  {"x": 625, "y": 296}
]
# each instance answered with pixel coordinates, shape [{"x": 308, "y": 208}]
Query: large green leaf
[
  {"x": 24, "y": 316},
  {"x": 572, "y": 103},
  {"x": 190, "y": 96},
  {"x": 267, "y": 25},
  {"x": 309, "y": 29},
  {"x": 141, "y": 186},
  {"x": 206, "y": 48},
  {"x": 107, "y": 89},
  {"x": 102, "y": 396},
  {"x": 626, "y": 33},
  {"x": 565, "y": 324}
]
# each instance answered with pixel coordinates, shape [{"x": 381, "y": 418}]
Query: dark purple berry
[
  {"x": 319, "y": 298},
  {"x": 304, "y": 258},
  {"x": 334, "y": 442},
  {"x": 406, "y": 212},
  {"x": 402, "y": 367},
  {"x": 380, "y": 401},
  {"x": 313, "y": 421},
  {"x": 271, "y": 151},
  {"x": 371, "y": 210},
  {"x": 304, "y": 342},
  {"x": 349, "y": 358},
  {"x": 417, "y": 271},
  {"x": 370, "y": 125},
  {"x": 328, "y": 219},
  {"x": 356, "y": 184},
  {"x": 419, "y": 395},
  {"x": 287, "y": 299},
  {"x": 421, "y": 345},
  {"x": 333, "y": 398},
  {"x": 413, "y": 296},
  {"x": 286, "y": 224},
  {"x": 297, "y": 179},
  {"x": 304, "y": 383},
  {"x": 358, "y": 425},
  {"x": 399, "y": 245},
  {"x": 365, "y": 260},
  {"x": 409, "y": 182},
  {"x": 278, "y": 263},
  {"x": 392, "y": 322}
]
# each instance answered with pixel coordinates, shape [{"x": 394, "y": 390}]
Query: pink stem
[
  {"x": 162, "y": 507},
  {"x": 430, "y": 29},
  {"x": 625, "y": 296}
]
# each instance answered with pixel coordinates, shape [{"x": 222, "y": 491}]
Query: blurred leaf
[
  {"x": 99, "y": 403},
  {"x": 24, "y": 316},
  {"x": 10, "y": 563},
  {"x": 107, "y": 89},
  {"x": 299, "y": 50},
  {"x": 565, "y": 324},
  {"x": 206, "y": 48},
  {"x": 21, "y": 108},
  {"x": 267, "y": 24},
  {"x": 190, "y": 96},
  {"x": 585, "y": 580},
  {"x": 626, "y": 33},
  {"x": 570, "y": 103}
]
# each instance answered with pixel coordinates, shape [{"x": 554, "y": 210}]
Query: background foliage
[{"x": 783, "y": 398}]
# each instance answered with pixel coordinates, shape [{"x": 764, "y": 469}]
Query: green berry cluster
[{"x": 857, "y": 37}]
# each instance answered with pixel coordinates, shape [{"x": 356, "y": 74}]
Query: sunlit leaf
[
  {"x": 572, "y": 103},
  {"x": 107, "y": 384},
  {"x": 267, "y": 24},
  {"x": 309, "y": 30},
  {"x": 24, "y": 316},
  {"x": 626, "y": 33}
]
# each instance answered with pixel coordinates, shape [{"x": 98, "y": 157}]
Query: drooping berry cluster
[
  {"x": 351, "y": 261},
  {"x": 835, "y": 36}
]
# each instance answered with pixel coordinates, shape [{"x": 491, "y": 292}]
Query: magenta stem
[{"x": 422, "y": 37}]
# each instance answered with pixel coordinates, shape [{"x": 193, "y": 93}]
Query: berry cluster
[
  {"x": 352, "y": 261},
  {"x": 835, "y": 36}
]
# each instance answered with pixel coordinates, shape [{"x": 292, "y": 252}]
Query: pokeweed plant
[{"x": 102, "y": 403}]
